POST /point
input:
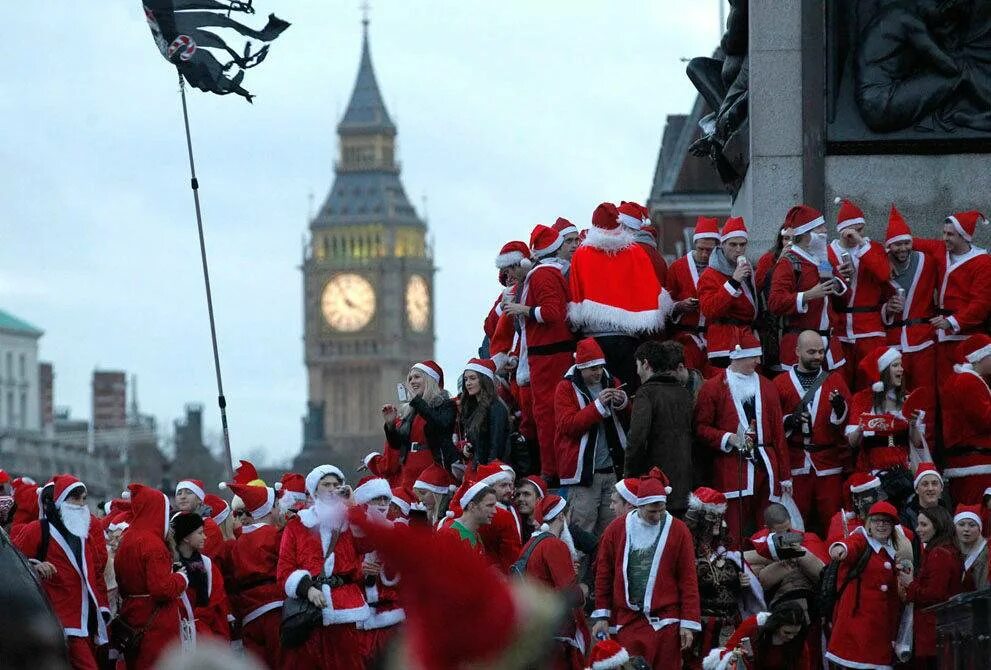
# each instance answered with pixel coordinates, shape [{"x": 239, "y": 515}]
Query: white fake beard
[
  {"x": 642, "y": 534},
  {"x": 817, "y": 246},
  {"x": 330, "y": 512},
  {"x": 743, "y": 387},
  {"x": 569, "y": 542},
  {"x": 75, "y": 518},
  {"x": 379, "y": 512}
]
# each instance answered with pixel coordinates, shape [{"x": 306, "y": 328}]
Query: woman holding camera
[
  {"x": 483, "y": 420},
  {"x": 772, "y": 640}
]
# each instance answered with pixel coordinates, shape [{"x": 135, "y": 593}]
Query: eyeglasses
[
  {"x": 238, "y": 513},
  {"x": 883, "y": 521}
]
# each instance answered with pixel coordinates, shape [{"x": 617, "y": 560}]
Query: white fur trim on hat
[
  {"x": 480, "y": 369},
  {"x": 887, "y": 358},
  {"x": 191, "y": 486},
  {"x": 373, "y": 488},
  {"x": 810, "y": 226},
  {"x": 616, "y": 660},
  {"x": 956, "y": 224},
  {"x": 846, "y": 223},
  {"x": 439, "y": 490},
  {"x": 568, "y": 230},
  {"x": 739, "y": 352},
  {"x": 980, "y": 354},
  {"x": 705, "y": 236},
  {"x": 472, "y": 491},
  {"x": 510, "y": 259},
  {"x": 652, "y": 499},
  {"x": 967, "y": 515},
  {"x": 67, "y": 492},
  {"x": 694, "y": 502},
  {"x": 590, "y": 364},
  {"x": 897, "y": 238},
  {"x": 734, "y": 233},
  {"x": 625, "y": 493},
  {"x": 715, "y": 660},
  {"x": 493, "y": 479},
  {"x": 630, "y": 221},
  {"x": 318, "y": 473},
  {"x": 551, "y": 248},
  {"x": 403, "y": 505},
  {"x": 873, "y": 483},
  {"x": 427, "y": 370},
  {"x": 369, "y": 457},
  {"x": 265, "y": 508},
  {"x": 926, "y": 473},
  {"x": 556, "y": 510},
  {"x": 762, "y": 617}
]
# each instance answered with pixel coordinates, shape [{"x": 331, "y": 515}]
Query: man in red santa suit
[
  {"x": 966, "y": 400},
  {"x": 738, "y": 417},
  {"x": 963, "y": 287},
  {"x": 615, "y": 294},
  {"x": 503, "y": 536},
  {"x": 864, "y": 267},
  {"x": 189, "y": 496},
  {"x": 814, "y": 402},
  {"x": 569, "y": 239},
  {"x": 907, "y": 314},
  {"x": 513, "y": 262},
  {"x": 545, "y": 340},
  {"x": 551, "y": 561},
  {"x": 624, "y": 498},
  {"x": 646, "y": 586},
  {"x": 320, "y": 562},
  {"x": 148, "y": 587},
  {"x": 687, "y": 323},
  {"x": 727, "y": 294},
  {"x": 256, "y": 598},
  {"x": 69, "y": 555},
  {"x": 802, "y": 284},
  {"x": 636, "y": 217}
]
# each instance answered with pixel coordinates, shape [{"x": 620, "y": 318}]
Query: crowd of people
[{"x": 714, "y": 464}]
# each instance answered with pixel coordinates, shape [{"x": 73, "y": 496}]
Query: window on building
[
  {"x": 10, "y": 365},
  {"x": 23, "y": 418},
  {"x": 10, "y": 408},
  {"x": 22, "y": 369}
]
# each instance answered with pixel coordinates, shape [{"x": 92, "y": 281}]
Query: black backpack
[
  {"x": 518, "y": 569},
  {"x": 829, "y": 592}
]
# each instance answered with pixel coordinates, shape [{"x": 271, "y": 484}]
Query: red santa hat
[
  {"x": 898, "y": 230},
  {"x": 435, "y": 479},
  {"x": 926, "y": 470},
  {"x": 972, "y": 512},
  {"x": 606, "y": 216},
  {"x": 432, "y": 370},
  {"x": 706, "y": 228},
  {"x": 246, "y": 475},
  {"x": 219, "y": 509},
  {"x": 26, "y": 497},
  {"x": 875, "y": 363},
  {"x": 848, "y": 215},
  {"x": 883, "y": 508},
  {"x": 539, "y": 484},
  {"x": 803, "y": 219},
  {"x": 292, "y": 489},
  {"x": 861, "y": 482},
  {"x": 588, "y": 354},
  {"x": 403, "y": 499},
  {"x": 748, "y": 346},
  {"x": 608, "y": 655},
  {"x": 966, "y": 223},
  {"x": 513, "y": 253},
  {"x": 544, "y": 241},
  {"x": 629, "y": 490},
  {"x": 564, "y": 227},
  {"x": 465, "y": 494},
  {"x": 654, "y": 488},
  {"x": 493, "y": 473},
  {"x": 975, "y": 348},
  {"x": 64, "y": 486},
  {"x": 734, "y": 227},
  {"x": 631, "y": 215},
  {"x": 194, "y": 485},
  {"x": 4, "y": 477},
  {"x": 258, "y": 500},
  {"x": 547, "y": 509},
  {"x": 20, "y": 482},
  {"x": 370, "y": 488},
  {"x": 318, "y": 473},
  {"x": 483, "y": 366},
  {"x": 706, "y": 499}
]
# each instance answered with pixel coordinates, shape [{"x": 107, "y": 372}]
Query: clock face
[
  {"x": 417, "y": 303},
  {"x": 348, "y": 302}
]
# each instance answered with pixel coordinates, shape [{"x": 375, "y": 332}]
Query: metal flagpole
[{"x": 194, "y": 184}]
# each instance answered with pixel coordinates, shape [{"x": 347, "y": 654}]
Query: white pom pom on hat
[
  {"x": 222, "y": 486},
  {"x": 277, "y": 486}
]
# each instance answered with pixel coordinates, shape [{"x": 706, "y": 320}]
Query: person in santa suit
[
  {"x": 727, "y": 294},
  {"x": 928, "y": 487},
  {"x": 545, "y": 340},
  {"x": 768, "y": 327},
  {"x": 472, "y": 508},
  {"x": 687, "y": 324},
  {"x": 291, "y": 491},
  {"x": 68, "y": 553},
  {"x": 569, "y": 239},
  {"x": 860, "y": 491},
  {"x": 611, "y": 655},
  {"x": 637, "y": 217},
  {"x": 432, "y": 488},
  {"x": 864, "y": 267},
  {"x": 738, "y": 417},
  {"x": 318, "y": 561},
  {"x": 205, "y": 597},
  {"x": 966, "y": 399},
  {"x": 974, "y": 547},
  {"x": 189, "y": 498},
  {"x": 256, "y": 599},
  {"x": 513, "y": 262},
  {"x": 592, "y": 413},
  {"x": 802, "y": 285},
  {"x": 503, "y": 536},
  {"x": 646, "y": 586},
  {"x": 483, "y": 418},
  {"x": 625, "y": 496},
  {"x": 887, "y": 424},
  {"x": 907, "y": 314},
  {"x": 775, "y": 640},
  {"x": 871, "y": 595},
  {"x": 528, "y": 493},
  {"x": 963, "y": 285},
  {"x": 148, "y": 584},
  {"x": 615, "y": 294},
  {"x": 25, "y": 504},
  {"x": 552, "y": 558},
  {"x": 815, "y": 403}
]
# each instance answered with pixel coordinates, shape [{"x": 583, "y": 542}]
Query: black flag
[{"x": 178, "y": 27}]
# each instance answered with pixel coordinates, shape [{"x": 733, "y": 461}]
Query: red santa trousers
[
  {"x": 545, "y": 372},
  {"x": 261, "y": 637},
  {"x": 82, "y": 654},
  {"x": 334, "y": 647},
  {"x": 969, "y": 489},
  {"x": 528, "y": 428},
  {"x": 661, "y": 649},
  {"x": 946, "y": 358},
  {"x": 378, "y": 639},
  {"x": 920, "y": 368},
  {"x": 854, "y": 352},
  {"x": 822, "y": 495},
  {"x": 753, "y": 510}
]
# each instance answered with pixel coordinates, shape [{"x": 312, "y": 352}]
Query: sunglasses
[{"x": 238, "y": 513}]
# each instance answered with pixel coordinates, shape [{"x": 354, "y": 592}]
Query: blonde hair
[{"x": 431, "y": 389}]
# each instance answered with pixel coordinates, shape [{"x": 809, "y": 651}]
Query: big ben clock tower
[{"x": 367, "y": 287}]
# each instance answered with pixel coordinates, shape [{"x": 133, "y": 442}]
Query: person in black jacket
[{"x": 484, "y": 419}]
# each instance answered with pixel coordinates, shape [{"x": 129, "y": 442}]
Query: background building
[
  {"x": 19, "y": 396},
  {"x": 109, "y": 399}
]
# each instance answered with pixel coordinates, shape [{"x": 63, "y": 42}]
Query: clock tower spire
[{"x": 367, "y": 285}]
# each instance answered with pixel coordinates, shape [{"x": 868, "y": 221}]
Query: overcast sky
[{"x": 509, "y": 114}]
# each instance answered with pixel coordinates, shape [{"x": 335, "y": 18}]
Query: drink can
[{"x": 741, "y": 261}]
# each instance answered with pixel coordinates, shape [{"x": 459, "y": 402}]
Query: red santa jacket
[
  {"x": 656, "y": 260},
  {"x": 492, "y": 318},
  {"x": 579, "y": 419},
  {"x": 763, "y": 270},
  {"x": 213, "y": 618},
  {"x": 254, "y": 557},
  {"x": 822, "y": 449},
  {"x": 876, "y": 452},
  {"x": 963, "y": 289},
  {"x": 718, "y": 416},
  {"x": 381, "y": 592},
  {"x": 672, "y": 584},
  {"x": 795, "y": 273},
  {"x": 937, "y": 580},
  {"x": 214, "y": 538},
  {"x": 546, "y": 331},
  {"x": 872, "y": 597},
  {"x": 682, "y": 284},
  {"x": 304, "y": 545},
  {"x": 76, "y": 587},
  {"x": 910, "y": 330},
  {"x": 551, "y": 564},
  {"x": 766, "y": 656},
  {"x": 502, "y": 539},
  {"x": 966, "y": 404},
  {"x": 727, "y": 310},
  {"x": 859, "y": 309}
]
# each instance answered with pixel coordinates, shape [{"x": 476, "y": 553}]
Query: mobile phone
[
  {"x": 845, "y": 257},
  {"x": 746, "y": 647},
  {"x": 402, "y": 392}
]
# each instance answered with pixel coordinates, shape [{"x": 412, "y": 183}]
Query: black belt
[
  {"x": 967, "y": 450},
  {"x": 734, "y": 322},
  {"x": 858, "y": 310},
  {"x": 944, "y": 312},
  {"x": 698, "y": 330},
  {"x": 416, "y": 447},
  {"x": 796, "y": 329},
  {"x": 814, "y": 448},
  {"x": 334, "y": 581},
  {"x": 909, "y": 322},
  {"x": 567, "y": 346},
  {"x": 604, "y": 471}
]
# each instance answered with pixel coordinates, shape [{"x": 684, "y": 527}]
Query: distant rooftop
[{"x": 11, "y": 324}]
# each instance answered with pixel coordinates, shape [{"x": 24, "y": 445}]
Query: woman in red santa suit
[
  {"x": 875, "y": 551},
  {"x": 886, "y": 423},
  {"x": 774, "y": 640},
  {"x": 149, "y": 587},
  {"x": 205, "y": 596},
  {"x": 319, "y": 562},
  {"x": 973, "y": 546}
]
